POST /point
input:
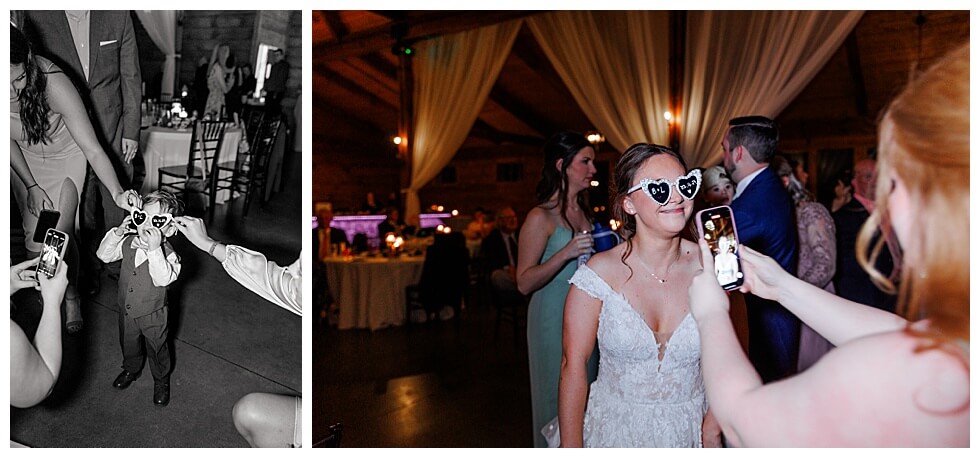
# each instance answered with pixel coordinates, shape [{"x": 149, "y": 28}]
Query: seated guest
[
  {"x": 327, "y": 235},
  {"x": 392, "y": 224},
  {"x": 479, "y": 228},
  {"x": 35, "y": 364},
  {"x": 370, "y": 205},
  {"x": 499, "y": 249}
]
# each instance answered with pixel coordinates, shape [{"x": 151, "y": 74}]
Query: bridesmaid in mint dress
[{"x": 554, "y": 235}]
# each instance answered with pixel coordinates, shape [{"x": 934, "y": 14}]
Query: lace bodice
[{"x": 640, "y": 399}]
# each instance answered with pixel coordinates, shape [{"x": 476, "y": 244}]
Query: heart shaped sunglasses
[{"x": 660, "y": 189}]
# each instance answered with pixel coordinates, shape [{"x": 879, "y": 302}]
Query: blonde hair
[{"x": 924, "y": 138}]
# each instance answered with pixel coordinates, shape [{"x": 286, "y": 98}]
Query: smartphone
[
  {"x": 48, "y": 219},
  {"x": 717, "y": 227},
  {"x": 52, "y": 252}
]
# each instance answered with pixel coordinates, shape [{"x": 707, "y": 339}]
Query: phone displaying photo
[
  {"x": 717, "y": 227},
  {"x": 52, "y": 252},
  {"x": 48, "y": 219}
]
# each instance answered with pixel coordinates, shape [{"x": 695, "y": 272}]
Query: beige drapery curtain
[
  {"x": 615, "y": 65},
  {"x": 742, "y": 63},
  {"x": 453, "y": 77},
  {"x": 161, "y": 26}
]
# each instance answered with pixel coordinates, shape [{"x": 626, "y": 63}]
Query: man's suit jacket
[
  {"x": 113, "y": 91},
  {"x": 764, "y": 219},
  {"x": 495, "y": 251},
  {"x": 850, "y": 280}
]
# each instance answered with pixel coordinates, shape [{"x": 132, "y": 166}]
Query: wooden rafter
[
  {"x": 336, "y": 25},
  {"x": 416, "y": 28}
]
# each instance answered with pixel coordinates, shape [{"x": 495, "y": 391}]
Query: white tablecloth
[
  {"x": 164, "y": 147},
  {"x": 370, "y": 292}
]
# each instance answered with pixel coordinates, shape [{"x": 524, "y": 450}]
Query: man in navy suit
[{"x": 764, "y": 218}]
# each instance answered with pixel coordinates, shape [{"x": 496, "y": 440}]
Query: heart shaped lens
[
  {"x": 659, "y": 191},
  {"x": 160, "y": 221},
  {"x": 689, "y": 185},
  {"x": 139, "y": 217}
]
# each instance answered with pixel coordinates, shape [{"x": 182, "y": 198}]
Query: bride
[{"x": 633, "y": 299}]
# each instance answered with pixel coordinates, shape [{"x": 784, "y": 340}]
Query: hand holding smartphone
[
  {"x": 48, "y": 219},
  {"x": 717, "y": 227},
  {"x": 52, "y": 252}
]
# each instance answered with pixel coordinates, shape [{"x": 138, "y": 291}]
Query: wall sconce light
[
  {"x": 669, "y": 116},
  {"x": 397, "y": 140},
  {"x": 594, "y": 138}
]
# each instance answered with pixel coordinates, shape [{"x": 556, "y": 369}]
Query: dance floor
[
  {"x": 226, "y": 342},
  {"x": 438, "y": 384}
]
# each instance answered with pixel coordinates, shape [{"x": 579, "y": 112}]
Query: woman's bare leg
[{"x": 266, "y": 420}]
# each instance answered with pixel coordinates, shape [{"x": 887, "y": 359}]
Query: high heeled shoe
[{"x": 74, "y": 326}]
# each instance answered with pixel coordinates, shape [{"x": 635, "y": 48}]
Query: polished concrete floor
[
  {"x": 226, "y": 342},
  {"x": 440, "y": 384}
]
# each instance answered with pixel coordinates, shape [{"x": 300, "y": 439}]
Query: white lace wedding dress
[{"x": 638, "y": 399}]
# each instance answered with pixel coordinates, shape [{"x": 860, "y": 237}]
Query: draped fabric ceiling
[{"x": 615, "y": 64}]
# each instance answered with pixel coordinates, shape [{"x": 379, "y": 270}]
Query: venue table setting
[
  {"x": 370, "y": 290},
  {"x": 168, "y": 146}
]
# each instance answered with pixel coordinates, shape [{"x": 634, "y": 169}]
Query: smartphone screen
[
  {"x": 717, "y": 227},
  {"x": 48, "y": 219},
  {"x": 51, "y": 252}
]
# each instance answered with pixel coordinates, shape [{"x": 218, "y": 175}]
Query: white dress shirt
[
  {"x": 164, "y": 269},
  {"x": 78, "y": 22}
]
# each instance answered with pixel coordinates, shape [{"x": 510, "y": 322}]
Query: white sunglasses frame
[{"x": 671, "y": 184}]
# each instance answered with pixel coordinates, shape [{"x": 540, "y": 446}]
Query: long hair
[
  {"x": 217, "y": 58},
  {"x": 924, "y": 138},
  {"x": 631, "y": 161},
  {"x": 782, "y": 168},
  {"x": 563, "y": 145},
  {"x": 33, "y": 98}
]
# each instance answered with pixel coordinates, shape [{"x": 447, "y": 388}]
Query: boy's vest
[{"x": 138, "y": 295}]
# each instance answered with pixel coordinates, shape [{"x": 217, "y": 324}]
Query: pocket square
[{"x": 103, "y": 43}]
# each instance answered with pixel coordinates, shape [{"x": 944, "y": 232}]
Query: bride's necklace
[{"x": 660, "y": 279}]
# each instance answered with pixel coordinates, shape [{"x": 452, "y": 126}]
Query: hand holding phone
[
  {"x": 48, "y": 219},
  {"x": 52, "y": 252},
  {"x": 717, "y": 227}
]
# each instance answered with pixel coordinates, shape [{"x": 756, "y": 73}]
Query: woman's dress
[
  {"x": 816, "y": 266},
  {"x": 638, "y": 399},
  {"x": 545, "y": 314},
  {"x": 51, "y": 164},
  {"x": 216, "y": 90}
]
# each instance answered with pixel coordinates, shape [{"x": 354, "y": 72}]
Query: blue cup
[{"x": 604, "y": 238}]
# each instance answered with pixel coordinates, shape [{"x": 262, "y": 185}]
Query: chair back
[
  {"x": 205, "y": 147},
  {"x": 252, "y": 118},
  {"x": 445, "y": 272}
]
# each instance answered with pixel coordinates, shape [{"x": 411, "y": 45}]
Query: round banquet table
[
  {"x": 370, "y": 291},
  {"x": 164, "y": 147}
]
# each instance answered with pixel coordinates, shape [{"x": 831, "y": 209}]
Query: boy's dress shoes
[
  {"x": 161, "y": 394},
  {"x": 125, "y": 379}
]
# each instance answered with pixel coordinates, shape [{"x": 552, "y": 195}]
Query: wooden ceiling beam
[
  {"x": 336, "y": 25},
  {"x": 351, "y": 86},
  {"x": 418, "y": 27},
  {"x": 515, "y": 106},
  {"x": 487, "y": 132}
]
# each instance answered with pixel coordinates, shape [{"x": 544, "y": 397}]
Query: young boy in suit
[{"x": 149, "y": 265}]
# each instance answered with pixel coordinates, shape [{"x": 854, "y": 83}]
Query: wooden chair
[
  {"x": 511, "y": 306},
  {"x": 332, "y": 439},
  {"x": 199, "y": 175},
  {"x": 248, "y": 173}
]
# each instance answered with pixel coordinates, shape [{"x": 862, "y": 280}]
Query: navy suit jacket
[
  {"x": 113, "y": 91},
  {"x": 765, "y": 220}
]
